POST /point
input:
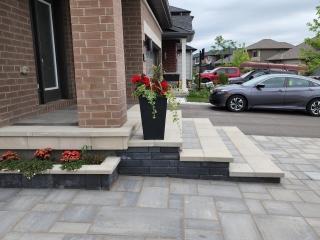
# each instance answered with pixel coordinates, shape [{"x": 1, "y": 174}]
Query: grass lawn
[{"x": 195, "y": 99}]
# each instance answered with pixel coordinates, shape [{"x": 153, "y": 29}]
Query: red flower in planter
[
  {"x": 9, "y": 156},
  {"x": 68, "y": 156},
  {"x": 43, "y": 154}
]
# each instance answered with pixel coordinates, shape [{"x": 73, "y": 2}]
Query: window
[
  {"x": 256, "y": 53},
  {"x": 274, "y": 82},
  {"x": 232, "y": 71},
  {"x": 297, "y": 82},
  {"x": 316, "y": 84},
  {"x": 196, "y": 60},
  {"x": 220, "y": 71}
]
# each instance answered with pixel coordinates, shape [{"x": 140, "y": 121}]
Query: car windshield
[{"x": 254, "y": 82}]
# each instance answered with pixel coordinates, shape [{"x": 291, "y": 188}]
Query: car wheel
[
  {"x": 313, "y": 108},
  {"x": 205, "y": 80},
  {"x": 236, "y": 103}
]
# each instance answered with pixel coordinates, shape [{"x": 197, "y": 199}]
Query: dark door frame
[{"x": 59, "y": 33}]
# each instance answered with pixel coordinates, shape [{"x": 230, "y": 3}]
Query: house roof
[
  {"x": 178, "y": 10},
  {"x": 188, "y": 48},
  {"x": 209, "y": 53},
  {"x": 182, "y": 26},
  {"x": 225, "y": 60},
  {"x": 292, "y": 53},
  {"x": 270, "y": 44},
  {"x": 161, "y": 11}
]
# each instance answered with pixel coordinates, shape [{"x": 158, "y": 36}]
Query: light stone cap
[
  {"x": 240, "y": 170},
  {"x": 192, "y": 155}
]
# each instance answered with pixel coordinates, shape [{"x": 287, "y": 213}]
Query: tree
[
  {"x": 312, "y": 56},
  {"x": 240, "y": 55},
  {"x": 223, "y": 45}
]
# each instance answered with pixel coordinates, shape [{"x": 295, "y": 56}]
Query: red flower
[
  {"x": 136, "y": 79},
  {"x": 164, "y": 86}
]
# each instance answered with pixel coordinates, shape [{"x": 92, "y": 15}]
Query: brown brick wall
[
  {"x": 99, "y": 62},
  {"x": 170, "y": 48},
  {"x": 135, "y": 12},
  {"x": 18, "y": 92}
]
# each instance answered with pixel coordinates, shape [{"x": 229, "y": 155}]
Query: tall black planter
[{"x": 153, "y": 128}]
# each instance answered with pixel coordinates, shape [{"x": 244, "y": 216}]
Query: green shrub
[
  {"x": 223, "y": 78},
  {"x": 203, "y": 93}
]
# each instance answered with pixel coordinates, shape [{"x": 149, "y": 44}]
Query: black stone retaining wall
[
  {"x": 61, "y": 181},
  {"x": 165, "y": 162}
]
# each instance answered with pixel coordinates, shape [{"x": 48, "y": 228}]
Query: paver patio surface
[{"x": 145, "y": 208}]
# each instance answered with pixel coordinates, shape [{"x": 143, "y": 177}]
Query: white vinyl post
[{"x": 184, "y": 64}]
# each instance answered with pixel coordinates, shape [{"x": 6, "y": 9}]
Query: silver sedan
[{"x": 276, "y": 91}]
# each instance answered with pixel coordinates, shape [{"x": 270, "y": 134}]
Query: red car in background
[{"x": 213, "y": 75}]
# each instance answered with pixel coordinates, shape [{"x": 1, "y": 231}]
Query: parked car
[
  {"x": 272, "y": 91},
  {"x": 256, "y": 73},
  {"x": 213, "y": 75}
]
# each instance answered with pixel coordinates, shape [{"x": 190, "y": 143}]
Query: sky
[{"x": 249, "y": 21}]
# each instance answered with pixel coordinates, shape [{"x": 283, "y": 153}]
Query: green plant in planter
[
  {"x": 156, "y": 87},
  {"x": 10, "y": 161}
]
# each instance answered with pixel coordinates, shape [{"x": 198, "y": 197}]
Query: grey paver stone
[
  {"x": 129, "y": 199},
  {"x": 33, "y": 192},
  {"x": 313, "y": 175},
  {"x": 315, "y": 224},
  {"x": 293, "y": 160},
  {"x": 307, "y": 168},
  {"x": 287, "y": 167},
  {"x": 252, "y": 188},
  {"x": 33, "y": 236},
  {"x": 312, "y": 184},
  {"x": 255, "y": 206},
  {"x": 6, "y": 193},
  {"x": 200, "y": 208},
  {"x": 284, "y": 228},
  {"x": 136, "y": 222},
  {"x": 8, "y": 220},
  {"x": 49, "y": 207},
  {"x": 238, "y": 226},
  {"x": 60, "y": 196},
  {"x": 295, "y": 187},
  {"x": 66, "y": 227},
  {"x": 127, "y": 186},
  {"x": 183, "y": 188},
  {"x": 176, "y": 201},
  {"x": 309, "y": 196},
  {"x": 219, "y": 191},
  {"x": 280, "y": 208},
  {"x": 235, "y": 205},
  {"x": 192, "y": 234},
  {"x": 285, "y": 195},
  {"x": 83, "y": 237},
  {"x": 127, "y": 238},
  {"x": 300, "y": 175},
  {"x": 21, "y": 203},
  {"x": 153, "y": 197},
  {"x": 80, "y": 213},
  {"x": 202, "y": 224},
  {"x": 156, "y": 182},
  {"x": 98, "y": 198},
  {"x": 37, "y": 222},
  {"x": 257, "y": 196},
  {"x": 308, "y": 209}
]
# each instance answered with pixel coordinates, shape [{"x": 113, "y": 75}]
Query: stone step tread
[
  {"x": 257, "y": 163},
  {"x": 213, "y": 149}
]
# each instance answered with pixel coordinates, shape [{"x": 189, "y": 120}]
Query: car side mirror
[
  {"x": 260, "y": 85},
  {"x": 215, "y": 73}
]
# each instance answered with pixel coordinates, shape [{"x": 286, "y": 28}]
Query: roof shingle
[{"x": 270, "y": 44}]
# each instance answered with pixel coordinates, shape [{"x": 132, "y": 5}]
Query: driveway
[{"x": 257, "y": 122}]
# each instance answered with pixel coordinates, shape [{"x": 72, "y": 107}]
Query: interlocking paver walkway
[{"x": 145, "y": 208}]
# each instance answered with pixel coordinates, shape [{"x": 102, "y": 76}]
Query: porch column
[
  {"x": 99, "y": 62},
  {"x": 184, "y": 64}
]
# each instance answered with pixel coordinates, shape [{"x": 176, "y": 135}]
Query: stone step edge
[{"x": 106, "y": 167}]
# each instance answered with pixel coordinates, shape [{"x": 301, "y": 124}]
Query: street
[{"x": 258, "y": 122}]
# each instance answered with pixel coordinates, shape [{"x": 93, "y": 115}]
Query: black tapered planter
[{"x": 153, "y": 128}]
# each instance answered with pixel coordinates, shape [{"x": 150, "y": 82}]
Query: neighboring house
[
  {"x": 292, "y": 57},
  {"x": 62, "y": 52},
  {"x": 225, "y": 60},
  {"x": 267, "y": 48},
  {"x": 181, "y": 30},
  {"x": 190, "y": 50}
]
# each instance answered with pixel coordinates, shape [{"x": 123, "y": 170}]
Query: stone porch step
[
  {"x": 257, "y": 163},
  {"x": 212, "y": 148}
]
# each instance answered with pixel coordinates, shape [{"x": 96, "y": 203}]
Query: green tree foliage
[
  {"x": 312, "y": 56},
  {"x": 222, "y": 44},
  {"x": 240, "y": 55}
]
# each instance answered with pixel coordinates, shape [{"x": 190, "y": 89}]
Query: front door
[{"x": 46, "y": 54}]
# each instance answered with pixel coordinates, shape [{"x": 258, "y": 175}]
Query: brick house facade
[{"x": 77, "y": 51}]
